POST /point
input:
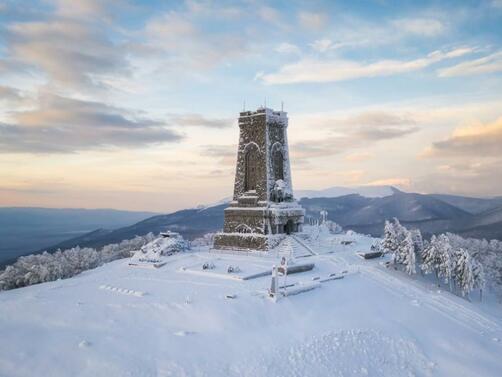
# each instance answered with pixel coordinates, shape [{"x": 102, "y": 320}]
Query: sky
[{"x": 134, "y": 104}]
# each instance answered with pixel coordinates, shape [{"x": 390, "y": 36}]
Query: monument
[{"x": 263, "y": 204}]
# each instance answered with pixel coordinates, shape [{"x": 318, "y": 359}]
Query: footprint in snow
[
  {"x": 184, "y": 333},
  {"x": 84, "y": 344}
]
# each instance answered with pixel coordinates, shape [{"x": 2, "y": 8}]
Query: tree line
[
  {"x": 455, "y": 261},
  {"x": 62, "y": 264}
]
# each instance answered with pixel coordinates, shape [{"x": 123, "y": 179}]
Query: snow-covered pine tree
[
  {"x": 430, "y": 257},
  {"x": 407, "y": 254},
  {"x": 463, "y": 272},
  {"x": 418, "y": 241},
  {"x": 478, "y": 276},
  {"x": 445, "y": 266},
  {"x": 389, "y": 242}
]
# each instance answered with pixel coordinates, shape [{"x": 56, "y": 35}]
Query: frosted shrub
[
  {"x": 40, "y": 268},
  {"x": 206, "y": 240}
]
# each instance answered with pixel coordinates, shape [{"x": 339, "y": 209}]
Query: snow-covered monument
[{"x": 263, "y": 204}]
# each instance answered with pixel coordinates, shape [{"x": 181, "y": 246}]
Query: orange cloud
[{"x": 481, "y": 140}]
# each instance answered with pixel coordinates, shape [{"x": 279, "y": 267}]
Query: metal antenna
[
  {"x": 282, "y": 106},
  {"x": 265, "y": 102},
  {"x": 244, "y": 106}
]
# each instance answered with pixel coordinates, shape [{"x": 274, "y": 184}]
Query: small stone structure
[{"x": 263, "y": 203}]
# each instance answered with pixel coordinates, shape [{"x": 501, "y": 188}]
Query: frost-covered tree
[
  {"x": 418, "y": 241},
  {"x": 478, "y": 276},
  {"x": 394, "y": 235},
  {"x": 429, "y": 256},
  {"x": 486, "y": 254},
  {"x": 463, "y": 272},
  {"x": 39, "y": 268},
  {"x": 206, "y": 240},
  {"x": 445, "y": 259},
  {"x": 407, "y": 254},
  {"x": 333, "y": 227},
  {"x": 399, "y": 242},
  {"x": 389, "y": 242}
]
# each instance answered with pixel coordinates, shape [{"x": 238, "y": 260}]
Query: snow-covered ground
[{"x": 177, "y": 320}]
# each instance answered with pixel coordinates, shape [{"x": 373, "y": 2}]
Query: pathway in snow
[
  {"x": 443, "y": 303},
  {"x": 412, "y": 290},
  {"x": 417, "y": 293}
]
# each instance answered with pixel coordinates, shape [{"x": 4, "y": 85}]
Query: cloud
[
  {"x": 428, "y": 27},
  {"x": 380, "y": 125},
  {"x": 64, "y": 125},
  {"x": 213, "y": 9},
  {"x": 269, "y": 14},
  {"x": 471, "y": 178},
  {"x": 379, "y": 118},
  {"x": 358, "y": 157},
  {"x": 353, "y": 132},
  {"x": 311, "y": 20},
  {"x": 178, "y": 41},
  {"x": 480, "y": 140},
  {"x": 396, "y": 181},
  {"x": 68, "y": 52},
  {"x": 496, "y": 4},
  {"x": 288, "y": 48},
  {"x": 226, "y": 154},
  {"x": 488, "y": 64},
  {"x": 8, "y": 94},
  {"x": 312, "y": 70},
  {"x": 323, "y": 45},
  {"x": 355, "y": 33},
  {"x": 89, "y": 8},
  {"x": 197, "y": 120}
]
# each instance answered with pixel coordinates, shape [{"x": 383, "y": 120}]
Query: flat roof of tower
[{"x": 264, "y": 110}]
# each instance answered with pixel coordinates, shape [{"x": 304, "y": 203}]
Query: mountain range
[
  {"x": 431, "y": 213},
  {"x": 24, "y": 230}
]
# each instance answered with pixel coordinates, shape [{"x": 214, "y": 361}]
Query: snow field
[{"x": 374, "y": 322}]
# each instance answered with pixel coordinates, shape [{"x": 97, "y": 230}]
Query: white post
[{"x": 273, "y": 285}]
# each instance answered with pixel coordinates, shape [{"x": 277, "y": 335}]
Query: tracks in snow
[
  {"x": 418, "y": 294},
  {"x": 442, "y": 304}
]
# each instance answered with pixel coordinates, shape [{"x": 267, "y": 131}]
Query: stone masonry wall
[{"x": 252, "y": 130}]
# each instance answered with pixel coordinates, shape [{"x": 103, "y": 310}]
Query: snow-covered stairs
[{"x": 291, "y": 246}]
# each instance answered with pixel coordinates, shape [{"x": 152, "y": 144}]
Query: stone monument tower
[{"x": 263, "y": 203}]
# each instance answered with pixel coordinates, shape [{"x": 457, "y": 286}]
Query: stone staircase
[{"x": 291, "y": 246}]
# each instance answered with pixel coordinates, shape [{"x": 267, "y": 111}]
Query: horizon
[
  {"x": 228, "y": 198},
  {"x": 133, "y": 105}
]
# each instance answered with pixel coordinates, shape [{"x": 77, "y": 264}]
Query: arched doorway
[
  {"x": 289, "y": 227},
  {"x": 251, "y": 162}
]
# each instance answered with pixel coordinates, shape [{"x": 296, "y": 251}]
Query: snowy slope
[{"x": 123, "y": 321}]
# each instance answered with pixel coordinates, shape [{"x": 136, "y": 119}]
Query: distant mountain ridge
[
  {"x": 480, "y": 218},
  {"x": 471, "y": 205},
  {"x": 24, "y": 230},
  {"x": 331, "y": 192}
]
